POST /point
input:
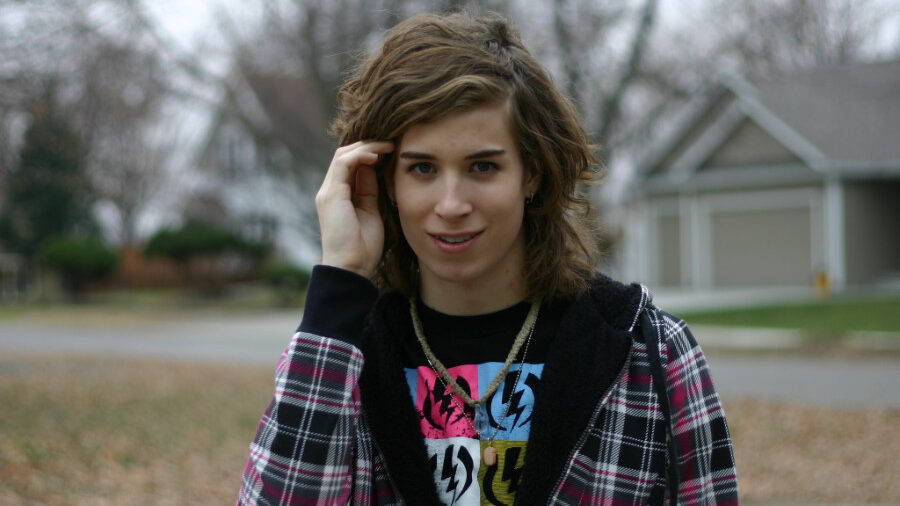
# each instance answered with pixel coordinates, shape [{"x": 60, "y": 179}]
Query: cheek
[{"x": 409, "y": 210}]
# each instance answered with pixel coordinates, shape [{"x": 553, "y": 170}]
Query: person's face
[{"x": 460, "y": 189}]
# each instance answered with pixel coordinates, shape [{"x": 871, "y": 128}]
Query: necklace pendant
[
  {"x": 480, "y": 421},
  {"x": 489, "y": 455}
]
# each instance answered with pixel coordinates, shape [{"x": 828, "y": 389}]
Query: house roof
[
  {"x": 296, "y": 115},
  {"x": 849, "y": 113},
  {"x": 833, "y": 119}
]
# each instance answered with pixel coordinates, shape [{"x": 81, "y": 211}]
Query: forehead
[{"x": 477, "y": 128}]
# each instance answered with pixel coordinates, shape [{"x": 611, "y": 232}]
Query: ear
[{"x": 532, "y": 182}]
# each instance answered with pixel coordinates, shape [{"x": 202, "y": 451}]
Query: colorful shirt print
[{"x": 454, "y": 451}]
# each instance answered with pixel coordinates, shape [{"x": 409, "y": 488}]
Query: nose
[{"x": 453, "y": 201}]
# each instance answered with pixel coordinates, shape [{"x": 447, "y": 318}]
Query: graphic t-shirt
[{"x": 473, "y": 348}]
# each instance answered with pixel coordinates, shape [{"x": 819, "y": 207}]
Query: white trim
[
  {"x": 773, "y": 124},
  {"x": 706, "y": 143},
  {"x": 790, "y": 198},
  {"x": 835, "y": 252},
  {"x": 738, "y": 178},
  {"x": 745, "y": 106}
]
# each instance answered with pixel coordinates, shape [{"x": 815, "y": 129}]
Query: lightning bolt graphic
[
  {"x": 511, "y": 472},
  {"x": 441, "y": 398},
  {"x": 514, "y": 408},
  {"x": 531, "y": 381},
  {"x": 469, "y": 463},
  {"x": 450, "y": 467},
  {"x": 449, "y": 471},
  {"x": 440, "y": 394}
]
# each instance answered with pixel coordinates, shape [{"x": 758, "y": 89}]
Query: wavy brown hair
[{"x": 433, "y": 65}]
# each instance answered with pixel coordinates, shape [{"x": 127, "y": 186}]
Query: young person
[{"x": 457, "y": 346}]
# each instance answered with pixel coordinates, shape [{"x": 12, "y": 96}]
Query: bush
[
  {"x": 286, "y": 275},
  {"x": 209, "y": 256},
  {"x": 194, "y": 239},
  {"x": 78, "y": 261},
  {"x": 288, "y": 280}
]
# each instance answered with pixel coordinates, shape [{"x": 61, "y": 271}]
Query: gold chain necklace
[{"x": 489, "y": 455}]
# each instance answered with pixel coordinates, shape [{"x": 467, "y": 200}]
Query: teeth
[{"x": 455, "y": 240}]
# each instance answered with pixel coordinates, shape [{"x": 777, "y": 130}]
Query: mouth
[
  {"x": 454, "y": 239},
  {"x": 454, "y": 243}
]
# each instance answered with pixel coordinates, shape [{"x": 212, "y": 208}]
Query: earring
[{"x": 529, "y": 199}]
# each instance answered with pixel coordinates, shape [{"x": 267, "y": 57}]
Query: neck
[{"x": 478, "y": 297}]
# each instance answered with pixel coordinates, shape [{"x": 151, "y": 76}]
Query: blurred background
[{"x": 158, "y": 162}]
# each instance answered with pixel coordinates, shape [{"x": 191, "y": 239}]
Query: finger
[
  {"x": 366, "y": 191},
  {"x": 347, "y": 158}
]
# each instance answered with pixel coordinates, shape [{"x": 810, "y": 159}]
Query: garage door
[{"x": 757, "y": 248}]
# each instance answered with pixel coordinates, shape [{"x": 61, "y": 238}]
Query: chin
[{"x": 462, "y": 274}]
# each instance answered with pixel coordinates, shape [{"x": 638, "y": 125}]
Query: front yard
[
  {"x": 835, "y": 316},
  {"x": 81, "y": 430}
]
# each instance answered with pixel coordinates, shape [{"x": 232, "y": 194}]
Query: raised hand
[{"x": 347, "y": 204}]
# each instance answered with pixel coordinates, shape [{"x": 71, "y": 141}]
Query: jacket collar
[{"x": 591, "y": 347}]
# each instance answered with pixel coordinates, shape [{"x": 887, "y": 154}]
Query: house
[
  {"x": 265, "y": 152},
  {"x": 775, "y": 182}
]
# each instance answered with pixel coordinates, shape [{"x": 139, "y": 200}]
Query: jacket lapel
[
  {"x": 590, "y": 350},
  {"x": 388, "y": 406}
]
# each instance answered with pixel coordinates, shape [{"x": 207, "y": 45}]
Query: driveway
[{"x": 259, "y": 339}]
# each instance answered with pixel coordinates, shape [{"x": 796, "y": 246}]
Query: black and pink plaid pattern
[
  {"x": 622, "y": 458},
  {"x": 314, "y": 447}
]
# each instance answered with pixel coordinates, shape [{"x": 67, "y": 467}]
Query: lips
[
  {"x": 454, "y": 243},
  {"x": 455, "y": 240}
]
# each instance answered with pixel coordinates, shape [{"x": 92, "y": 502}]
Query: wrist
[{"x": 348, "y": 265}]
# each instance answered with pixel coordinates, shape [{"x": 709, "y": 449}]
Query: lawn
[
  {"x": 115, "y": 431},
  {"x": 153, "y": 303},
  {"x": 837, "y": 315},
  {"x": 82, "y": 430}
]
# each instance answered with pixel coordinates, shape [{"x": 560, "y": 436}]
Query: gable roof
[
  {"x": 839, "y": 118},
  {"x": 849, "y": 113},
  {"x": 294, "y": 112}
]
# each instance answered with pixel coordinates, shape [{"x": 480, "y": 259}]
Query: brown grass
[
  {"x": 805, "y": 454},
  {"x": 83, "y": 430},
  {"x": 113, "y": 431}
]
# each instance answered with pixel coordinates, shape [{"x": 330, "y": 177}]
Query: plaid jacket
[{"x": 333, "y": 434}]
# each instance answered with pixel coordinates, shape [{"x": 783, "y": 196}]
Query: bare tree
[
  {"x": 291, "y": 69},
  {"x": 760, "y": 38},
  {"x": 111, "y": 84}
]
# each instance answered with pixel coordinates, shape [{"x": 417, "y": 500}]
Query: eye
[
  {"x": 421, "y": 168},
  {"x": 483, "y": 167}
]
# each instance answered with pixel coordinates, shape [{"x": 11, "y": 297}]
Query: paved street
[
  {"x": 253, "y": 339},
  {"x": 260, "y": 338},
  {"x": 818, "y": 380}
]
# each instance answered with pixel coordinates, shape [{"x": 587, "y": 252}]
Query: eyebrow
[{"x": 485, "y": 153}]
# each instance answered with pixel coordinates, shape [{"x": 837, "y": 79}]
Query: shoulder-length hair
[{"x": 433, "y": 65}]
